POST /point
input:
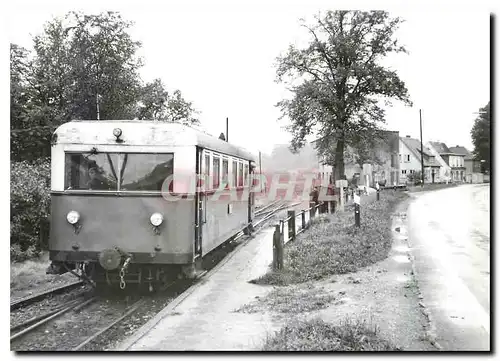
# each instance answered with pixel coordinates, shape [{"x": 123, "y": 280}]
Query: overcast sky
[{"x": 221, "y": 57}]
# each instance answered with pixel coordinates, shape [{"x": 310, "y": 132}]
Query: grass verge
[
  {"x": 31, "y": 274},
  {"x": 335, "y": 246},
  {"x": 291, "y": 300},
  {"x": 317, "y": 335},
  {"x": 431, "y": 187}
]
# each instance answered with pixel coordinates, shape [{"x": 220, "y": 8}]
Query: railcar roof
[{"x": 142, "y": 133}]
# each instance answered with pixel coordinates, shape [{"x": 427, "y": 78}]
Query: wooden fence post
[
  {"x": 277, "y": 248},
  {"x": 291, "y": 226},
  {"x": 357, "y": 216},
  {"x": 303, "y": 217}
]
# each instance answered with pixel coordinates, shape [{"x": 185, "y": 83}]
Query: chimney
[{"x": 408, "y": 136}]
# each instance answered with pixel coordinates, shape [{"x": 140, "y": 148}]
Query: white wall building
[
  {"x": 410, "y": 160},
  {"x": 445, "y": 169}
]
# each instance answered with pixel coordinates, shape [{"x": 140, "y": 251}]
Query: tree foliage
[
  {"x": 481, "y": 136},
  {"x": 29, "y": 207},
  {"x": 82, "y": 64},
  {"x": 338, "y": 82},
  {"x": 156, "y": 103}
]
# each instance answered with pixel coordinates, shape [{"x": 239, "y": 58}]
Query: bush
[
  {"x": 29, "y": 208},
  {"x": 416, "y": 177}
]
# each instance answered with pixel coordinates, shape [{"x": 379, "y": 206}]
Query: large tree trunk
[{"x": 339, "y": 159}]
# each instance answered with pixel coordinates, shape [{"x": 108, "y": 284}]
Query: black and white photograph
[{"x": 213, "y": 176}]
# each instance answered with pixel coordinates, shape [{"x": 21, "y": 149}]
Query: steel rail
[
  {"x": 131, "y": 309},
  {"x": 41, "y": 317},
  {"x": 45, "y": 320},
  {"x": 31, "y": 299},
  {"x": 260, "y": 210}
]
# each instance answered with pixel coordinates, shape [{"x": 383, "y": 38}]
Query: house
[
  {"x": 455, "y": 161},
  {"x": 410, "y": 157},
  {"x": 472, "y": 166},
  {"x": 445, "y": 169},
  {"x": 380, "y": 166}
]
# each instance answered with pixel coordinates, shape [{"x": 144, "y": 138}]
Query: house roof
[
  {"x": 414, "y": 146},
  {"x": 440, "y": 147},
  {"x": 461, "y": 150}
]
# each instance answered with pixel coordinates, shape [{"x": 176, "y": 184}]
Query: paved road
[{"x": 449, "y": 231}]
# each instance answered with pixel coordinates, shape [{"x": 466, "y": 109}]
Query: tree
[
  {"x": 157, "y": 104},
  {"x": 104, "y": 66},
  {"x": 338, "y": 82},
  {"x": 480, "y": 134},
  {"x": 75, "y": 59},
  {"x": 19, "y": 98},
  {"x": 82, "y": 67}
]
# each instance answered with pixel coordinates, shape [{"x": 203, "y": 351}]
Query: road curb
[{"x": 430, "y": 331}]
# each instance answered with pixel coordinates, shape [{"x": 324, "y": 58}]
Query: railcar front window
[
  {"x": 145, "y": 171},
  {"x": 118, "y": 171},
  {"x": 86, "y": 171}
]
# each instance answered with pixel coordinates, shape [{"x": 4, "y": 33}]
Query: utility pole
[
  {"x": 227, "y": 129},
  {"x": 421, "y": 149},
  {"x": 97, "y": 102}
]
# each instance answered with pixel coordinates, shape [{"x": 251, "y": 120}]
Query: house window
[
  {"x": 407, "y": 158},
  {"x": 412, "y": 171},
  {"x": 403, "y": 171},
  {"x": 400, "y": 159}
]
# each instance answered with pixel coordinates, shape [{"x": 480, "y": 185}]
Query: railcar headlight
[
  {"x": 117, "y": 132},
  {"x": 156, "y": 219},
  {"x": 73, "y": 217}
]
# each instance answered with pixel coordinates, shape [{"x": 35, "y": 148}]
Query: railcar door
[
  {"x": 251, "y": 195},
  {"x": 200, "y": 204}
]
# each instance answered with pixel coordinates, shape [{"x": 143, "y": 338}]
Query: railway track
[
  {"x": 96, "y": 335},
  {"x": 25, "y": 301},
  {"x": 37, "y": 321}
]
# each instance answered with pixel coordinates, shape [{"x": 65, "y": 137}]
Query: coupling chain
[{"x": 122, "y": 273}]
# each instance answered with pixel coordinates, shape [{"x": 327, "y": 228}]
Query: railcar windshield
[{"x": 118, "y": 171}]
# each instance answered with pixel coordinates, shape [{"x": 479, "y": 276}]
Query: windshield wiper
[
  {"x": 112, "y": 167},
  {"x": 123, "y": 168}
]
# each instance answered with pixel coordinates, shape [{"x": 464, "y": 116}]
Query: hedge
[{"x": 29, "y": 208}]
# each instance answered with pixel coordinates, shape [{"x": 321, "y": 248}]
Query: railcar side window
[
  {"x": 85, "y": 171},
  {"x": 235, "y": 173},
  {"x": 246, "y": 175},
  {"x": 225, "y": 172},
  {"x": 240, "y": 175},
  {"x": 207, "y": 171},
  {"x": 216, "y": 178},
  {"x": 145, "y": 171}
]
